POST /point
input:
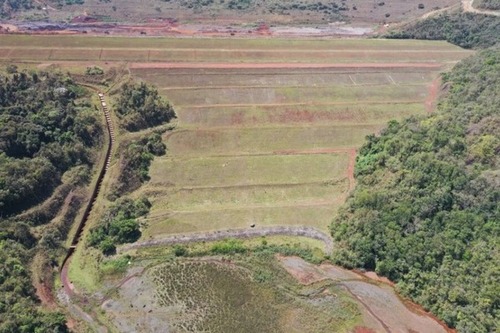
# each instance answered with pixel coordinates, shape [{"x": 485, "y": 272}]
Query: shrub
[
  {"x": 139, "y": 106},
  {"x": 228, "y": 246}
]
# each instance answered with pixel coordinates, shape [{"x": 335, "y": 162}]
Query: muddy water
[{"x": 383, "y": 310}]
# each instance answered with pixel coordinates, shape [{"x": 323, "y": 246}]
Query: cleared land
[
  {"x": 178, "y": 50},
  {"x": 267, "y": 128},
  {"x": 221, "y": 296},
  {"x": 271, "y": 142}
]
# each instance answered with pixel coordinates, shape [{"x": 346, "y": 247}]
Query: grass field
[
  {"x": 313, "y": 45},
  {"x": 267, "y": 128},
  {"x": 79, "y": 48},
  {"x": 217, "y": 296},
  {"x": 275, "y": 145},
  {"x": 292, "y": 115},
  {"x": 246, "y": 141}
]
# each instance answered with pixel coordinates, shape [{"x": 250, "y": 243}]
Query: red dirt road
[
  {"x": 433, "y": 94},
  {"x": 195, "y": 65}
]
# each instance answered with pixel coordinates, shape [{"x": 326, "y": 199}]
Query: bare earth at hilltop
[{"x": 219, "y": 18}]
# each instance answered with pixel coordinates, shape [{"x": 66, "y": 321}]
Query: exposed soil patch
[
  {"x": 430, "y": 101},
  {"x": 360, "y": 329},
  {"x": 44, "y": 293},
  {"x": 384, "y": 310}
]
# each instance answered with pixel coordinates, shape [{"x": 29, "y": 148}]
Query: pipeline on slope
[{"x": 97, "y": 187}]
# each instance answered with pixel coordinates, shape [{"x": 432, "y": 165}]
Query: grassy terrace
[
  {"x": 275, "y": 146},
  {"x": 80, "y": 48},
  {"x": 267, "y": 128}
]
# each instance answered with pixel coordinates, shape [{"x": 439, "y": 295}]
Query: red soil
[
  {"x": 263, "y": 29},
  {"x": 44, "y": 293},
  {"x": 350, "y": 169},
  {"x": 360, "y": 329},
  {"x": 302, "y": 116},
  {"x": 432, "y": 94},
  {"x": 67, "y": 285}
]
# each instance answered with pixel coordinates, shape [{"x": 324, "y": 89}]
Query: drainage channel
[{"x": 67, "y": 286}]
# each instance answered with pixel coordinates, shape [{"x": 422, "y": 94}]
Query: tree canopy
[
  {"x": 468, "y": 30},
  {"x": 47, "y": 126},
  {"x": 425, "y": 210},
  {"x": 139, "y": 106}
]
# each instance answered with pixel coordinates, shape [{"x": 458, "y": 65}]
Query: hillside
[
  {"x": 425, "y": 210},
  {"x": 48, "y": 136},
  {"x": 467, "y": 30},
  {"x": 215, "y": 15}
]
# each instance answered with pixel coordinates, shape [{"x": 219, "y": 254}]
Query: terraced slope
[
  {"x": 267, "y": 128},
  {"x": 270, "y": 138}
]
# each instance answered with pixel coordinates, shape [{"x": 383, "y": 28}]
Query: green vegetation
[
  {"x": 135, "y": 161},
  {"x": 48, "y": 133},
  {"x": 47, "y": 127},
  {"x": 119, "y": 225},
  {"x": 331, "y": 8},
  {"x": 139, "y": 106},
  {"x": 7, "y": 7},
  {"x": 247, "y": 294},
  {"x": 60, "y": 3},
  {"x": 327, "y": 9},
  {"x": 18, "y": 302},
  {"x": 467, "y": 30},
  {"x": 94, "y": 70},
  {"x": 116, "y": 266},
  {"x": 425, "y": 210},
  {"x": 233, "y": 246},
  {"x": 488, "y": 4}
]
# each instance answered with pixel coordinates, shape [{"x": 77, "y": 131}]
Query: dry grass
[
  {"x": 396, "y": 46},
  {"x": 247, "y": 170},
  {"x": 294, "y": 115},
  {"x": 247, "y": 294},
  {"x": 241, "y": 141},
  {"x": 163, "y": 222},
  {"x": 228, "y": 163}
]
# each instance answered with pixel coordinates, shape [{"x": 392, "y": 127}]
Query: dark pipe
[{"x": 95, "y": 192}]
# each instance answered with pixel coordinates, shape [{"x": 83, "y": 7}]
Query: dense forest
[
  {"x": 119, "y": 225},
  {"x": 47, "y": 127},
  {"x": 7, "y": 7},
  {"x": 139, "y": 106},
  {"x": 48, "y": 130},
  {"x": 425, "y": 210},
  {"x": 467, "y": 30},
  {"x": 19, "y": 310},
  {"x": 136, "y": 157},
  {"x": 488, "y": 4}
]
